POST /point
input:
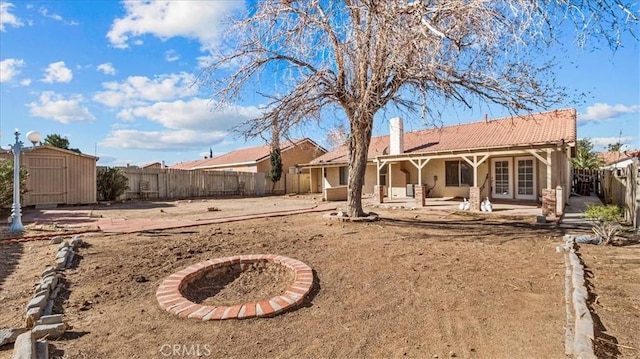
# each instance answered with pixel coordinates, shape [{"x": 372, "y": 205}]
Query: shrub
[
  {"x": 275, "y": 172},
  {"x": 605, "y": 221},
  {"x": 6, "y": 182},
  {"x": 112, "y": 183}
]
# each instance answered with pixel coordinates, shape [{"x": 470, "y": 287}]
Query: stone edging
[
  {"x": 40, "y": 322},
  {"x": 171, "y": 299},
  {"x": 342, "y": 217},
  {"x": 579, "y": 330}
]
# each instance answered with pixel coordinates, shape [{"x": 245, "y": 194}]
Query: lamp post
[{"x": 17, "y": 148}]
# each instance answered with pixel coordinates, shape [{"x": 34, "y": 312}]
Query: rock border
[
  {"x": 579, "y": 334},
  {"x": 40, "y": 322},
  {"x": 342, "y": 217},
  {"x": 171, "y": 299}
]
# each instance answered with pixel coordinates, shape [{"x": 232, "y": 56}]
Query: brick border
[{"x": 171, "y": 299}]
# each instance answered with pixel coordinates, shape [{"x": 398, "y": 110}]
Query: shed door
[{"x": 47, "y": 180}]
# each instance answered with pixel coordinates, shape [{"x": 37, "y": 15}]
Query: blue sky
[{"x": 116, "y": 79}]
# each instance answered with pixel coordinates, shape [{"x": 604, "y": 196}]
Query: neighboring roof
[
  {"x": 244, "y": 156},
  {"x": 152, "y": 164},
  {"x": 613, "y": 157},
  {"x": 534, "y": 129}
]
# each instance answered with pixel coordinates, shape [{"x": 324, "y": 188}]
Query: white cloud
[
  {"x": 6, "y": 18},
  {"x": 57, "y": 72},
  {"x": 25, "y": 82},
  {"x": 198, "y": 20},
  {"x": 604, "y": 111},
  {"x": 171, "y": 56},
  {"x": 9, "y": 69},
  {"x": 45, "y": 12},
  {"x": 601, "y": 143},
  {"x": 106, "y": 68},
  {"x": 195, "y": 114},
  {"x": 139, "y": 90},
  {"x": 56, "y": 107},
  {"x": 179, "y": 140}
]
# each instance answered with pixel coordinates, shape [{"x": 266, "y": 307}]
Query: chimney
[{"x": 396, "y": 135}]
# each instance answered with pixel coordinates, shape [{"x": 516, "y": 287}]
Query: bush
[
  {"x": 605, "y": 221},
  {"x": 112, "y": 183},
  {"x": 6, "y": 182}
]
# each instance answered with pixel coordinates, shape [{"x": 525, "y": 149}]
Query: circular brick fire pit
[{"x": 171, "y": 293}]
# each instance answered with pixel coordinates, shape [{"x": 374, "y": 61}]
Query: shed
[{"x": 58, "y": 176}]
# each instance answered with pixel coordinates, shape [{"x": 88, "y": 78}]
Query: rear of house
[{"x": 524, "y": 158}]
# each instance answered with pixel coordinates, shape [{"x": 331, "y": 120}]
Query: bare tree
[
  {"x": 337, "y": 137},
  {"x": 360, "y": 56}
]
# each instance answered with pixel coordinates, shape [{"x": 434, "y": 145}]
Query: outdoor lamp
[{"x": 17, "y": 148}]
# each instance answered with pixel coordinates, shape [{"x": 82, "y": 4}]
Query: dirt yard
[{"x": 414, "y": 284}]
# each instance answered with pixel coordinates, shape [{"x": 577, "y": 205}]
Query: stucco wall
[{"x": 302, "y": 153}]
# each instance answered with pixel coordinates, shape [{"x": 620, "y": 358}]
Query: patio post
[
  {"x": 474, "y": 198},
  {"x": 549, "y": 202},
  {"x": 420, "y": 192},
  {"x": 378, "y": 192},
  {"x": 389, "y": 182}
]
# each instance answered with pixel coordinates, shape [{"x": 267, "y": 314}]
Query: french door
[
  {"x": 526, "y": 180},
  {"x": 514, "y": 178},
  {"x": 502, "y": 179}
]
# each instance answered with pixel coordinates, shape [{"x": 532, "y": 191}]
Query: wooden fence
[
  {"x": 585, "y": 181},
  {"x": 168, "y": 183},
  {"x": 621, "y": 186}
]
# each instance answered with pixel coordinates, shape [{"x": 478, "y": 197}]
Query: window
[
  {"x": 457, "y": 174},
  {"x": 383, "y": 176},
  {"x": 344, "y": 175}
]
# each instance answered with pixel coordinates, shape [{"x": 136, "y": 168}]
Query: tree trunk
[{"x": 358, "y": 151}]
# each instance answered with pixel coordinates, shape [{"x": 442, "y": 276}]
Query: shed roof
[
  {"x": 56, "y": 149},
  {"x": 533, "y": 129}
]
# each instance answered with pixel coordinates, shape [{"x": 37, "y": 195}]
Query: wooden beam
[
  {"x": 471, "y": 163},
  {"x": 478, "y": 163},
  {"x": 536, "y": 155},
  {"x": 548, "y": 169}
]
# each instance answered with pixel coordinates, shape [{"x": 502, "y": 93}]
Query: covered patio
[{"x": 451, "y": 204}]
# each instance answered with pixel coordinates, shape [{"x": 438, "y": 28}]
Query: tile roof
[
  {"x": 612, "y": 157},
  {"x": 243, "y": 155},
  {"x": 533, "y": 129}
]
